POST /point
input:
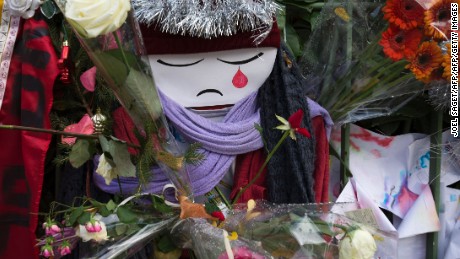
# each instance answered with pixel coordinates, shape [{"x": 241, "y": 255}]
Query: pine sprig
[
  {"x": 192, "y": 156},
  {"x": 146, "y": 158},
  {"x": 62, "y": 154}
]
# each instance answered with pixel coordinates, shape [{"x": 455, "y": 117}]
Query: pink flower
[
  {"x": 89, "y": 227},
  {"x": 54, "y": 228},
  {"x": 93, "y": 226},
  {"x": 88, "y": 79},
  {"x": 97, "y": 226},
  {"x": 47, "y": 251},
  {"x": 51, "y": 228},
  {"x": 242, "y": 252},
  {"x": 64, "y": 249},
  {"x": 84, "y": 126}
]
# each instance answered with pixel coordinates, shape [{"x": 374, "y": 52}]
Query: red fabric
[
  {"x": 123, "y": 128},
  {"x": 157, "y": 42},
  {"x": 321, "y": 175},
  {"x": 27, "y": 102},
  {"x": 246, "y": 168},
  {"x": 248, "y": 164}
]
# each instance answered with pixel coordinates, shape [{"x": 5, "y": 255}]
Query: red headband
[{"x": 157, "y": 42}]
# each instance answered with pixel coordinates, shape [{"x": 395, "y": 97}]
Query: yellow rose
[
  {"x": 97, "y": 17},
  {"x": 358, "y": 244}
]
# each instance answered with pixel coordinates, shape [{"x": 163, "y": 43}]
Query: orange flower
[
  {"x": 427, "y": 59},
  {"x": 437, "y": 20},
  {"x": 406, "y": 14},
  {"x": 435, "y": 75},
  {"x": 397, "y": 43}
]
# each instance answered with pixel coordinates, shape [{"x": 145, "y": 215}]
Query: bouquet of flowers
[
  {"x": 263, "y": 230},
  {"x": 111, "y": 37},
  {"x": 372, "y": 58}
]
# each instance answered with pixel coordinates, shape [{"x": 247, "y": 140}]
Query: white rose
[
  {"x": 22, "y": 8},
  {"x": 358, "y": 244},
  {"x": 97, "y": 17},
  {"x": 105, "y": 170},
  {"x": 86, "y": 236}
]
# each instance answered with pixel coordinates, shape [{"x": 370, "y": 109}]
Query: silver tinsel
[{"x": 208, "y": 18}]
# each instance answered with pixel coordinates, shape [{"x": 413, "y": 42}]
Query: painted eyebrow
[
  {"x": 241, "y": 62},
  {"x": 178, "y": 65}
]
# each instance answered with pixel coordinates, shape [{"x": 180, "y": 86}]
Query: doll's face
[{"x": 212, "y": 78}]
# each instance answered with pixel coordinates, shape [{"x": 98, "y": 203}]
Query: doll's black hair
[{"x": 290, "y": 171}]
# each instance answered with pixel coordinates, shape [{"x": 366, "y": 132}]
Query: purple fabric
[
  {"x": 221, "y": 142},
  {"x": 318, "y": 110}
]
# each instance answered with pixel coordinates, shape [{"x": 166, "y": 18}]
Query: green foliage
[
  {"x": 81, "y": 152},
  {"x": 146, "y": 157},
  {"x": 192, "y": 156},
  {"x": 160, "y": 205},
  {"x": 84, "y": 218},
  {"x": 74, "y": 215},
  {"x": 122, "y": 159},
  {"x": 297, "y": 20},
  {"x": 165, "y": 244},
  {"x": 49, "y": 9},
  {"x": 126, "y": 215}
]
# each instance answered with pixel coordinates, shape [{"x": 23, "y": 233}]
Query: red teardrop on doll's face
[{"x": 240, "y": 80}]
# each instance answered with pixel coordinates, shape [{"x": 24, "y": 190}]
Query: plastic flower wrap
[
  {"x": 106, "y": 230},
  {"x": 110, "y": 35},
  {"x": 265, "y": 230},
  {"x": 372, "y": 58}
]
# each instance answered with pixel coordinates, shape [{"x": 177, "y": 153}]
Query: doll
[{"x": 216, "y": 79}]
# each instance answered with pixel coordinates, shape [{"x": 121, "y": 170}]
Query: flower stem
[
  {"x": 119, "y": 185},
  {"x": 269, "y": 156},
  {"x": 117, "y": 40},
  {"x": 57, "y": 132},
  {"x": 222, "y": 196}
]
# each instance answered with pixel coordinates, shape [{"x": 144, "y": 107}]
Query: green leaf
[
  {"x": 165, "y": 244},
  {"x": 132, "y": 228},
  {"x": 75, "y": 215},
  {"x": 130, "y": 58},
  {"x": 113, "y": 67},
  {"x": 80, "y": 153},
  {"x": 104, "y": 143},
  {"x": 258, "y": 128},
  {"x": 160, "y": 205},
  {"x": 314, "y": 20},
  {"x": 49, "y": 9},
  {"x": 146, "y": 102},
  {"x": 120, "y": 229},
  {"x": 126, "y": 215},
  {"x": 282, "y": 120},
  {"x": 84, "y": 218},
  {"x": 111, "y": 205},
  {"x": 104, "y": 211},
  {"x": 122, "y": 159},
  {"x": 292, "y": 40}
]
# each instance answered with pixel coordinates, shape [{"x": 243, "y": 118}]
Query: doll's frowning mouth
[{"x": 210, "y": 91}]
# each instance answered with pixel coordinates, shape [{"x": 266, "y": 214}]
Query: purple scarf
[{"x": 221, "y": 142}]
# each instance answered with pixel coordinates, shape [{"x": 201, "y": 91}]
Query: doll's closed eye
[
  {"x": 178, "y": 65},
  {"x": 241, "y": 62}
]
